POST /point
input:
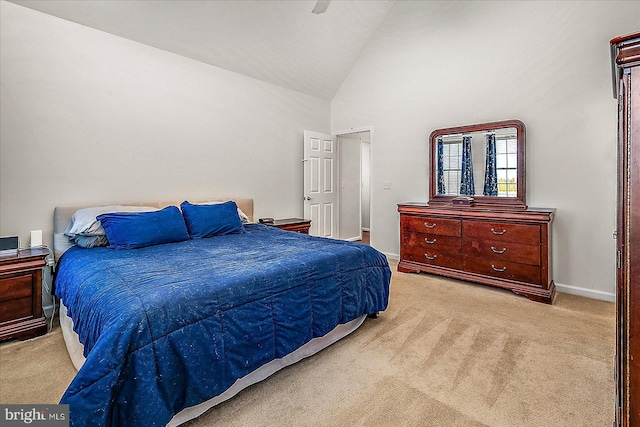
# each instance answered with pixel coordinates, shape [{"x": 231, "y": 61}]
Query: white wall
[
  {"x": 438, "y": 64},
  {"x": 90, "y": 117}
]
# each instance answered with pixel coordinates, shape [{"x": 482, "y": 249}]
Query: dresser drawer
[
  {"x": 441, "y": 259},
  {"x": 16, "y": 287},
  {"x": 431, "y": 225},
  {"x": 431, "y": 242},
  {"x": 503, "y": 269},
  {"x": 502, "y": 251},
  {"x": 501, "y": 231}
]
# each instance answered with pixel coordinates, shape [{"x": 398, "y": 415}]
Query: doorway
[
  {"x": 337, "y": 175},
  {"x": 354, "y": 207}
]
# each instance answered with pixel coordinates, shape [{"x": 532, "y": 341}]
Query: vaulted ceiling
[{"x": 277, "y": 41}]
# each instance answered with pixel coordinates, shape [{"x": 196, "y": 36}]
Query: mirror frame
[{"x": 518, "y": 202}]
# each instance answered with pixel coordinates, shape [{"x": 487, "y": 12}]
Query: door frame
[{"x": 345, "y": 132}]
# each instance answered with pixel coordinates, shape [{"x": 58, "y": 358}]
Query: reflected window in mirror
[
  {"x": 450, "y": 166},
  {"x": 507, "y": 165}
]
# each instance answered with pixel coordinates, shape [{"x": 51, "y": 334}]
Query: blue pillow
[
  {"x": 131, "y": 230},
  {"x": 212, "y": 220}
]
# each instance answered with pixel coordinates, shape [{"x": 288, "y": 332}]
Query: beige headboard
[{"x": 62, "y": 215}]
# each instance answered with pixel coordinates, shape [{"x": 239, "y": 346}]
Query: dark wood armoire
[{"x": 625, "y": 53}]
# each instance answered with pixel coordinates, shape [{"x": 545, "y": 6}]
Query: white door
[{"x": 320, "y": 178}]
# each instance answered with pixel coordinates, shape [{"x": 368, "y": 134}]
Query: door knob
[{"x": 306, "y": 198}]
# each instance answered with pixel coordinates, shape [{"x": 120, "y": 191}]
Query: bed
[{"x": 162, "y": 332}]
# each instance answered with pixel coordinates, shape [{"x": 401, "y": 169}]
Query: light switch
[{"x": 387, "y": 185}]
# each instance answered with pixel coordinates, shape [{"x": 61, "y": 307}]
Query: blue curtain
[
  {"x": 490, "y": 173},
  {"x": 440, "y": 167},
  {"x": 466, "y": 181}
]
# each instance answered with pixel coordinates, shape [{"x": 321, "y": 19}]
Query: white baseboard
[
  {"x": 584, "y": 292},
  {"x": 365, "y": 229},
  {"x": 353, "y": 239},
  {"x": 392, "y": 256}
]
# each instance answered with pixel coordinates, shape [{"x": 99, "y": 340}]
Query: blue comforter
[{"x": 170, "y": 326}]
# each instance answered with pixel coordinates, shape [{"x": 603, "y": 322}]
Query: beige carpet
[{"x": 445, "y": 353}]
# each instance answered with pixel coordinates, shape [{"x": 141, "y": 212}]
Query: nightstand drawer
[
  {"x": 16, "y": 287},
  {"x": 302, "y": 228},
  {"x": 16, "y": 309}
]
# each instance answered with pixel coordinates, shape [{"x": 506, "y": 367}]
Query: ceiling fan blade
[{"x": 321, "y": 6}]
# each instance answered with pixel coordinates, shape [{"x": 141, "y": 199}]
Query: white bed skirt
[{"x": 76, "y": 350}]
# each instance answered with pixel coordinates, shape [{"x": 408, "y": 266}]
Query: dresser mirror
[{"x": 479, "y": 165}]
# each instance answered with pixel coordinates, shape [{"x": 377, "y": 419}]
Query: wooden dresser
[
  {"x": 626, "y": 75},
  {"x": 506, "y": 248},
  {"x": 21, "y": 294}
]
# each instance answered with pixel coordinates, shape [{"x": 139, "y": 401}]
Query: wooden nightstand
[
  {"x": 21, "y": 294},
  {"x": 298, "y": 225}
]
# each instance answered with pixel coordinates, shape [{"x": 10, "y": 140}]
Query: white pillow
[
  {"x": 84, "y": 222},
  {"x": 243, "y": 217}
]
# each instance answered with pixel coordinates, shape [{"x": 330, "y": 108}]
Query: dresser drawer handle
[
  {"x": 498, "y": 232},
  {"x": 498, "y": 251},
  {"x": 430, "y": 258},
  {"x": 430, "y": 226},
  {"x": 431, "y": 242},
  {"x": 498, "y": 269}
]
